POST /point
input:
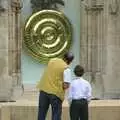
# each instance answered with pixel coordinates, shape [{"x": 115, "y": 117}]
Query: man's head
[
  {"x": 79, "y": 70},
  {"x": 68, "y": 57}
]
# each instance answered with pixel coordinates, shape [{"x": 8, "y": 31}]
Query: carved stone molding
[
  {"x": 95, "y": 8},
  {"x": 114, "y": 7},
  {"x": 16, "y": 5},
  {"x": 2, "y": 9},
  {"x": 38, "y": 5}
]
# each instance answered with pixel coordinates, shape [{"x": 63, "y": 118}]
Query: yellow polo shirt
[{"x": 52, "y": 79}]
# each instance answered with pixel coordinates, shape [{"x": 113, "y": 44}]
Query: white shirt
[
  {"x": 79, "y": 88},
  {"x": 67, "y": 75}
]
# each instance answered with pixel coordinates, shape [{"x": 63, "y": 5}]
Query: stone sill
[{"x": 27, "y": 110}]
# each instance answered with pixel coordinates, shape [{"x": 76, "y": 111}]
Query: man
[
  {"x": 55, "y": 80},
  {"x": 80, "y": 93}
]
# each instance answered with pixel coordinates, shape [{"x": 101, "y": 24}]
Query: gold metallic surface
[{"x": 47, "y": 34}]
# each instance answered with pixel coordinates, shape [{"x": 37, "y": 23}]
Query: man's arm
[
  {"x": 69, "y": 95},
  {"x": 67, "y": 78}
]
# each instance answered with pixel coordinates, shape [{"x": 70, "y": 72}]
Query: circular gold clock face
[{"x": 47, "y": 34}]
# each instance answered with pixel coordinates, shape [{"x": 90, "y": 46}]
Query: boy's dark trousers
[
  {"x": 45, "y": 100},
  {"x": 79, "y": 109}
]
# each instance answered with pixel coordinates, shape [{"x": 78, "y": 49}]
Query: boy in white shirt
[{"x": 79, "y": 94}]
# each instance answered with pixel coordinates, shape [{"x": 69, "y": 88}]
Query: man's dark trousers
[
  {"x": 45, "y": 100},
  {"x": 79, "y": 110}
]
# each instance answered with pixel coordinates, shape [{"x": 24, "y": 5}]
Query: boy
[{"x": 79, "y": 95}]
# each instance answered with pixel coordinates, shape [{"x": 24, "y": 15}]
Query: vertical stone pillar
[
  {"x": 92, "y": 43},
  {"x": 14, "y": 46},
  {"x": 10, "y": 48},
  {"x": 112, "y": 76}
]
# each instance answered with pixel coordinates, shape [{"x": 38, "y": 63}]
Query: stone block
[
  {"x": 5, "y": 113},
  {"x": 3, "y": 38},
  {"x": 28, "y": 110}
]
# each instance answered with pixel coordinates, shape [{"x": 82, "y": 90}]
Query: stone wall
[
  {"x": 99, "y": 46},
  {"x": 10, "y": 48}
]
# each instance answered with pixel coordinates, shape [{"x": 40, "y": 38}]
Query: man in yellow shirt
[{"x": 52, "y": 86}]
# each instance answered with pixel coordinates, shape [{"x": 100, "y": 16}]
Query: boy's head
[{"x": 79, "y": 70}]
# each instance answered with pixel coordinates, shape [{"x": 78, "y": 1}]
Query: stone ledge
[{"x": 27, "y": 110}]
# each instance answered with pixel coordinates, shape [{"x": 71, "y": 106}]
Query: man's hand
[{"x": 66, "y": 85}]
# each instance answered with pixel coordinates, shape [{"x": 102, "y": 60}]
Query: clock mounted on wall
[{"x": 47, "y": 34}]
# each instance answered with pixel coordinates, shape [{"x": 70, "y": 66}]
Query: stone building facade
[
  {"x": 10, "y": 48},
  {"x": 100, "y": 45}
]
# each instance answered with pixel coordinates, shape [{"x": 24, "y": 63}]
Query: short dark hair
[
  {"x": 68, "y": 57},
  {"x": 78, "y": 70}
]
